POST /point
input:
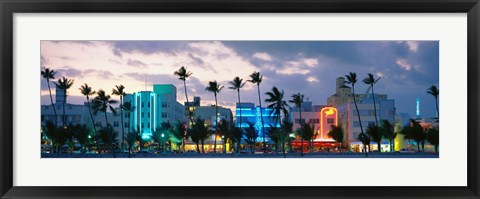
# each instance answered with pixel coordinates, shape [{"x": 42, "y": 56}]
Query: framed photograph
[{"x": 264, "y": 99}]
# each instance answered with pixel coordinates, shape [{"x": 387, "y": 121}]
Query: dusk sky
[{"x": 407, "y": 68}]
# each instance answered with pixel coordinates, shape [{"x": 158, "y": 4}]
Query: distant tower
[{"x": 418, "y": 107}]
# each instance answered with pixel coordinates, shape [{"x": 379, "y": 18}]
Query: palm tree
[
  {"x": 388, "y": 132},
  {"x": 224, "y": 128},
  {"x": 102, "y": 103},
  {"x": 138, "y": 132},
  {"x": 414, "y": 131},
  {"x": 352, "y": 79},
  {"x": 251, "y": 136},
  {"x": 237, "y": 84},
  {"x": 53, "y": 134},
  {"x": 183, "y": 74},
  {"x": 433, "y": 137},
  {"x": 108, "y": 135},
  {"x": 277, "y": 103},
  {"x": 365, "y": 141},
  {"x": 256, "y": 78},
  {"x": 130, "y": 139},
  {"x": 119, "y": 91},
  {"x": 287, "y": 128},
  {"x": 178, "y": 134},
  {"x": 199, "y": 133},
  {"x": 64, "y": 84},
  {"x": 49, "y": 74},
  {"x": 129, "y": 108},
  {"x": 274, "y": 134},
  {"x": 81, "y": 133},
  {"x": 336, "y": 133},
  {"x": 87, "y": 91},
  {"x": 215, "y": 88},
  {"x": 433, "y": 90},
  {"x": 307, "y": 132},
  {"x": 194, "y": 135},
  {"x": 237, "y": 135},
  {"x": 376, "y": 135},
  {"x": 370, "y": 80},
  {"x": 297, "y": 99}
]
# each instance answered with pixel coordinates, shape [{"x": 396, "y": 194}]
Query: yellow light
[{"x": 327, "y": 111}]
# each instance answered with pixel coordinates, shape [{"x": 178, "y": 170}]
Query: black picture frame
[{"x": 10, "y": 7}]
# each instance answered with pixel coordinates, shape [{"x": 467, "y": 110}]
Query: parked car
[{"x": 406, "y": 150}]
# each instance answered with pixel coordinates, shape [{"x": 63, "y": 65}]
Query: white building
[
  {"x": 79, "y": 114},
  {"x": 151, "y": 109},
  {"x": 348, "y": 117}
]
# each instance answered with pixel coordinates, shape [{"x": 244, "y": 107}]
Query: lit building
[
  {"x": 320, "y": 117},
  {"x": 348, "y": 117},
  {"x": 154, "y": 108},
  {"x": 253, "y": 114}
]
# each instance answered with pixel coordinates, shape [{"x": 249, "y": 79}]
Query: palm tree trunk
[
  {"x": 239, "y": 107},
  {"x": 64, "y": 102},
  {"x": 240, "y": 124},
  {"x": 188, "y": 104},
  {"x": 261, "y": 116},
  {"x": 358, "y": 114},
  {"x": 436, "y": 103},
  {"x": 51, "y": 100},
  {"x": 252, "y": 147},
  {"x": 203, "y": 146},
  {"x": 418, "y": 146},
  {"x": 109, "y": 136},
  {"x": 283, "y": 149},
  {"x": 379, "y": 146},
  {"x": 198, "y": 147},
  {"x": 216, "y": 125},
  {"x": 238, "y": 146},
  {"x": 224, "y": 145},
  {"x": 436, "y": 148},
  {"x": 129, "y": 147},
  {"x": 374, "y": 108},
  {"x": 121, "y": 120},
  {"x": 93, "y": 122},
  {"x": 183, "y": 144}
]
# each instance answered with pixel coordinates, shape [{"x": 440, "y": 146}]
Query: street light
[{"x": 163, "y": 143}]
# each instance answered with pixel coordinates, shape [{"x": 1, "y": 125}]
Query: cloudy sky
[{"x": 407, "y": 68}]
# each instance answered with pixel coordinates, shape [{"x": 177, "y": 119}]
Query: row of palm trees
[
  {"x": 102, "y": 102},
  {"x": 374, "y": 131}
]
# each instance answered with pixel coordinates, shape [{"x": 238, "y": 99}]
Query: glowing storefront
[{"x": 321, "y": 118}]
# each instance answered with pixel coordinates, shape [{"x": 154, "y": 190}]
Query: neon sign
[
  {"x": 325, "y": 113},
  {"x": 330, "y": 111}
]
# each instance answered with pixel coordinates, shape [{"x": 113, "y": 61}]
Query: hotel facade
[{"x": 348, "y": 117}]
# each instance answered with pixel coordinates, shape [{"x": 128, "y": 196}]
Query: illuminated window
[{"x": 330, "y": 120}]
